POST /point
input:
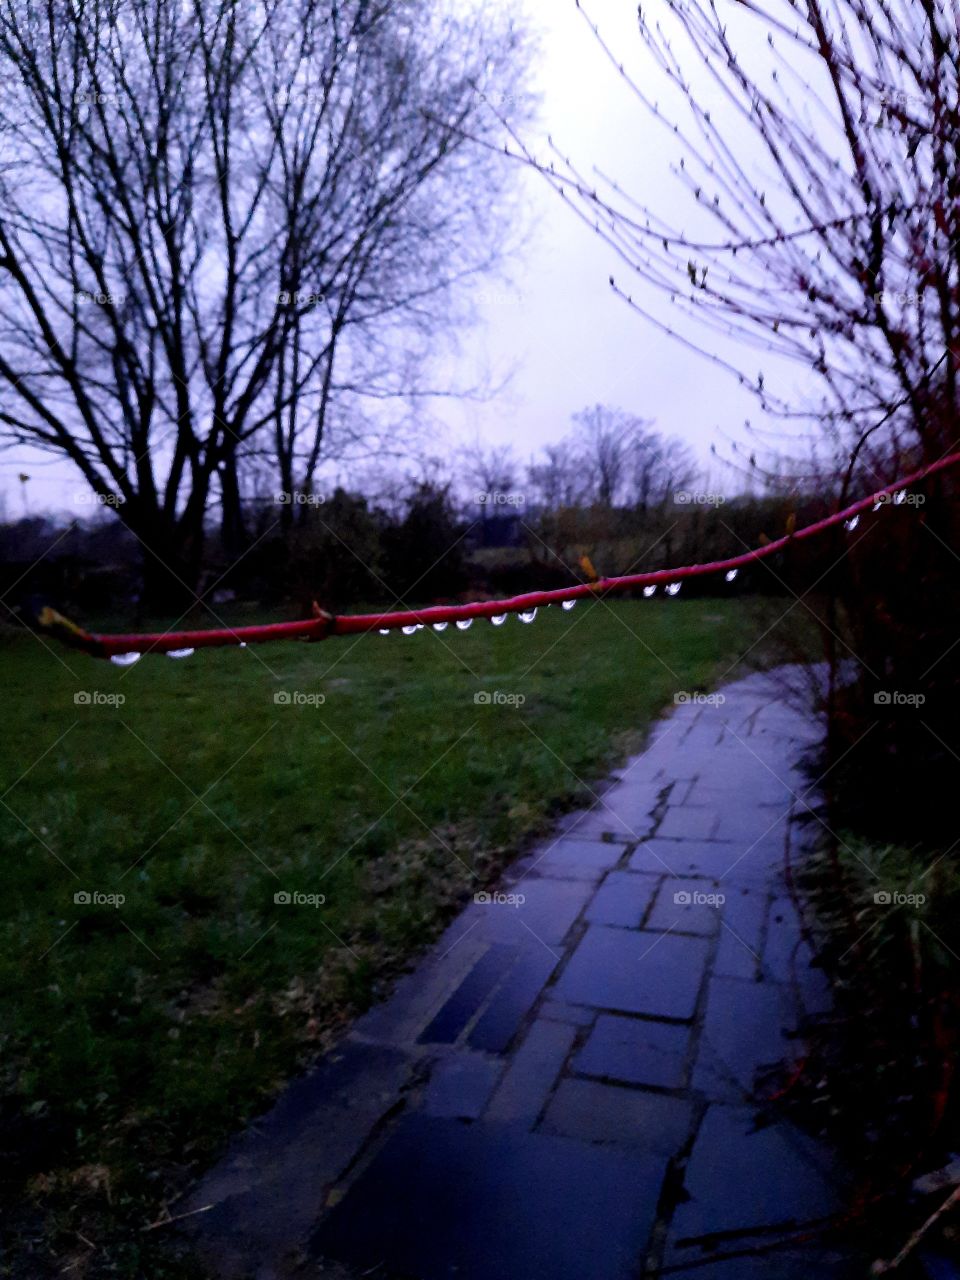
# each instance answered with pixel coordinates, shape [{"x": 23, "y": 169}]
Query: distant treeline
[{"x": 346, "y": 550}]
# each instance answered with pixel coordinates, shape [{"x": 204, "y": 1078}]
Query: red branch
[{"x": 319, "y": 628}]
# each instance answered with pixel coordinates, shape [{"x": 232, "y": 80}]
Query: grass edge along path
[{"x": 170, "y": 829}]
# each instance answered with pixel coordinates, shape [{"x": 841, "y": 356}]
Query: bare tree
[
  {"x": 660, "y": 465},
  {"x": 817, "y": 145},
  {"x": 611, "y": 459},
  {"x": 623, "y": 461},
  {"x": 491, "y": 473},
  {"x": 219, "y": 218},
  {"x": 605, "y": 440},
  {"x": 848, "y": 261},
  {"x": 556, "y": 481}
]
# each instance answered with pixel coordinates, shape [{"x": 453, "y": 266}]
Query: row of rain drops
[
  {"x": 525, "y": 615},
  {"x": 498, "y": 619},
  {"x": 899, "y": 498}
]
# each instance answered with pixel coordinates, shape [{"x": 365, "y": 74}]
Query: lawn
[{"x": 139, "y": 1029}]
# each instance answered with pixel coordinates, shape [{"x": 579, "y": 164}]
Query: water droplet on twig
[{"x": 125, "y": 659}]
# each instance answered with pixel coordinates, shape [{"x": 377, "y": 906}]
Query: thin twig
[
  {"x": 881, "y": 1268},
  {"x": 165, "y": 1222}
]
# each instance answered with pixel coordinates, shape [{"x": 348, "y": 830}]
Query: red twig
[{"x": 324, "y": 625}]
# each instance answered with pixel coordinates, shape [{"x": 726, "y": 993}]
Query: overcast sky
[{"x": 568, "y": 339}]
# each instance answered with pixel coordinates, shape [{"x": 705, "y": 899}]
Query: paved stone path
[{"x": 571, "y": 1086}]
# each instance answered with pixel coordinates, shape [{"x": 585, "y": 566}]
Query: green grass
[{"x": 139, "y": 1035}]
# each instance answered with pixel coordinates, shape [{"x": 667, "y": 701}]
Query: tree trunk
[
  {"x": 233, "y": 528},
  {"x": 172, "y": 559},
  {"x": 169, "y": 586}
]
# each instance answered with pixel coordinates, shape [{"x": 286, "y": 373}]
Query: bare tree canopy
[
  {"x": 823, "y": 163},
  {"x": 555, "y": 480},
  {"x": 622, "y": 461},
  {"x": 219, "y": 216},
  {"x": 491, "y": 471},
  {"x": 604, "y": 440}
]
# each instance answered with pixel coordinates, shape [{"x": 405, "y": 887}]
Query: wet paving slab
[
  {"x": 571, "y": 1082},
  {"x": 492, "y": 1202}
]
